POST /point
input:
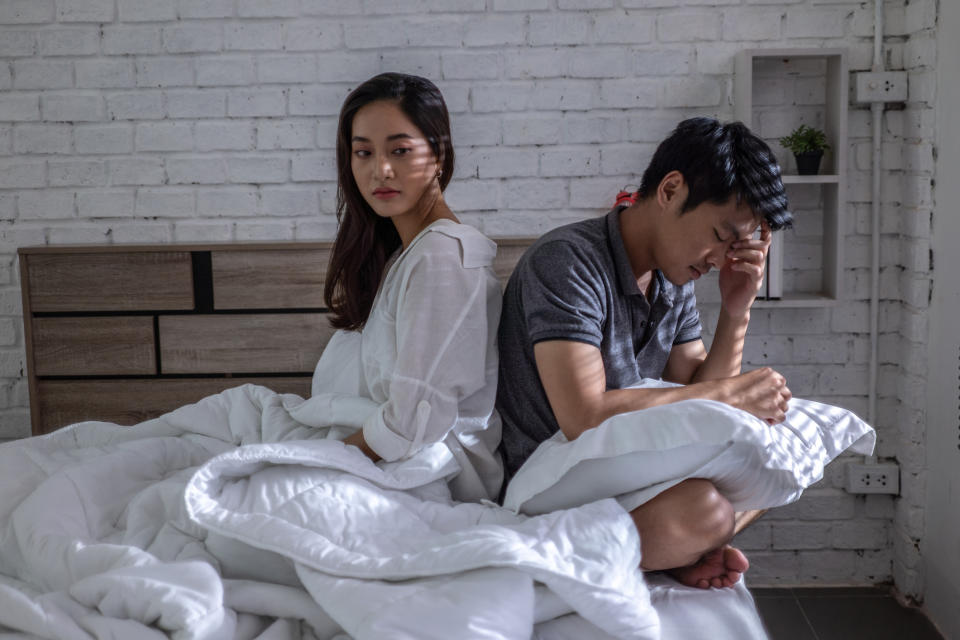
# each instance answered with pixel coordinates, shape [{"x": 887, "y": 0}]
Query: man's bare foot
[{"x": 718, "y": 568}]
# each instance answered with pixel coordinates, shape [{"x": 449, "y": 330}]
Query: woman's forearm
[{"x": 356, "y": 439}]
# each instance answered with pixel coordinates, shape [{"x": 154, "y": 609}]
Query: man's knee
[
  {"x": 708, "y": 516},
  {"x": 681, "y": 524},
  {"x": 691, "y": 509}
]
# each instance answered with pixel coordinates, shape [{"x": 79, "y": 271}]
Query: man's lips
[{"x": 385, "y": 194}]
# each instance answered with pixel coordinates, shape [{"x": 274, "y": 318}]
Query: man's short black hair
[{"x": 719, "y": 161}]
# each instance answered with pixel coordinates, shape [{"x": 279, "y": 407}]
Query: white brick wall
[
  {"x": 192, "y": 120},
  {"x": 916, "y": 172}
]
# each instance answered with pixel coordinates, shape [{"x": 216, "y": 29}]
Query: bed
[
  {"x": 124, "y": 333},
  {"x": 199, "y": 520}
]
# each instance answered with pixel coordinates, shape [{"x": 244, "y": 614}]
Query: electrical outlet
[
  {"x": 885, "y": 86},
  {"x": 878, "y": 477}
]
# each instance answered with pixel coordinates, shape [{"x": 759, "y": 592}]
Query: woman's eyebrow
[{"x": 390, "y": 138}]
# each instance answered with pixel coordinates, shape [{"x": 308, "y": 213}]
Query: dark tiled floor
[{"x": 840, "y": 614}]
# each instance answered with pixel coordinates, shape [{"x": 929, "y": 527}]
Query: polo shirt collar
[{"x": 662, "y": 290}]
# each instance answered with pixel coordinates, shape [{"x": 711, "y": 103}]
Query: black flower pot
[{"x": 808, "y": 164}]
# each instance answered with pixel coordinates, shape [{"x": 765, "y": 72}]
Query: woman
[
  {"x": 413, "y": 290},
  {"x": 97, "y": 528}
]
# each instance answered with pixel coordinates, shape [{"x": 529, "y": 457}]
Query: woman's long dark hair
[{"x": 365, "y": 240}]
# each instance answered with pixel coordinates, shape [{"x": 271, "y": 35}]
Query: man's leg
[
  {"x": 685, "y": 530},
  {"x": 743, "y": 519}
]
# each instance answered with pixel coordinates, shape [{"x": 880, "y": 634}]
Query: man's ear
[{"x": 672, "y": 191}]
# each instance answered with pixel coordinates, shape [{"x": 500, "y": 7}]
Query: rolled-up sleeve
[
  {"x": 442, "y": 338},
  {"x": 689, "y": 327}
]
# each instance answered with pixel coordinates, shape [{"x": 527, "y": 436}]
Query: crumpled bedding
[
  {"x": 171, "y": 528},
  {"x": 244, "y": 516}
]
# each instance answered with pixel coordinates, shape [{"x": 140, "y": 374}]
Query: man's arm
[
  {"x": 574, "y": 379},
  {"x": 690, "y": 362},
  {"x": 740, "y": 278}
]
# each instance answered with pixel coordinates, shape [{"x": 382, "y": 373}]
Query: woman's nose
[{"x": 383, "y": 169}]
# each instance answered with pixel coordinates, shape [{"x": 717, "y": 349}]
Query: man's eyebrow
[{"x": 732, "y": 229}]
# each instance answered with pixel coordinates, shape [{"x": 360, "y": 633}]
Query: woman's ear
[{"x": 439, "y": 164}]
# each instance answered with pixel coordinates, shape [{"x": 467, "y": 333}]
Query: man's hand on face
[{"x": 742, "y": 273}]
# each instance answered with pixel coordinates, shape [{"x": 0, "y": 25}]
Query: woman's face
[{"x": 392, "y": 162}]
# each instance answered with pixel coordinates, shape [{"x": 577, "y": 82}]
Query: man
[{"x": 595, "y": 306}]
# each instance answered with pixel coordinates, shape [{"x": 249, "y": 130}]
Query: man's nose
[{"x": 717, "y": 257}]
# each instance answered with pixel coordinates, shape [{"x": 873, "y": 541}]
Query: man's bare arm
[
  {"x": 690, "y": 362},
  {"x": 574, "y": 379},
  {"x": 726, "y": 353},
  {"x": 740, "y": 279}
]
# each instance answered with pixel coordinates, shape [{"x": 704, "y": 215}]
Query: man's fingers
[
  {"x": 749, "y": 268},
  {"x": 746, "y": 255},
  {"x": 765, "y": 231},
  {"x": 751, "y": 243}
]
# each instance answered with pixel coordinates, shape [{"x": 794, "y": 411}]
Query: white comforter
[{"x": 169, "y": 529}]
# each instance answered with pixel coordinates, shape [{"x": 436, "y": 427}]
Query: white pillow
[{"x": 634, "y": 456}]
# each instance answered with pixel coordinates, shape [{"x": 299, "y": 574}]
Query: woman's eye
[
  {"x": 719, "y": 239},
  {"x": 361, "y": 153},
  {"x": 401, "y": 151}
]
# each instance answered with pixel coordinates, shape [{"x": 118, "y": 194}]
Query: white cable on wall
[{"x": 876, "y": 115}]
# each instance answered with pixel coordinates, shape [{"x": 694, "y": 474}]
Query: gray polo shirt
[{"x": 576, "y": 283}]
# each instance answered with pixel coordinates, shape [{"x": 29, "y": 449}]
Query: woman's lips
[
  {"x": 694, "y": 273},
  {"x": 385, "y": 194}
]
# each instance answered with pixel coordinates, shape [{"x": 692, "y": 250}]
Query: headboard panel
[{"x": 127, "y": 333}]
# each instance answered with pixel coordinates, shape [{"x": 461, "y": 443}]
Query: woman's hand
[{"x": 356, "y": 439}]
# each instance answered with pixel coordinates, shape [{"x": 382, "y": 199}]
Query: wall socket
[
  {"x": 883, "y": 86},
  {"x": 877, "y": 477}
]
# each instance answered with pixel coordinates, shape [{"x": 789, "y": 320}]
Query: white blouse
[{"x": 428, "y": 356}]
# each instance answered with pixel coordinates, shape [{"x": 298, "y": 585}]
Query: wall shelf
[
  {"x": 819, "y": 179},
  {"x": 792, "y": 76},
  {"x": 796, "y": 301}
]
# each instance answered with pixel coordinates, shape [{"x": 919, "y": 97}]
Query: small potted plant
[{"x": 807, "y": 145}]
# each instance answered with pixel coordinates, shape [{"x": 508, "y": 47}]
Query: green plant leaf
[{"x": 805, "y": 139}]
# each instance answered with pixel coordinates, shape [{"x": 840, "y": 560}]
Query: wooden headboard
[{"x": 124, "y": 333}]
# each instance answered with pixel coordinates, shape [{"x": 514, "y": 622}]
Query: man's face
[{"x": 693, "y": 242}]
